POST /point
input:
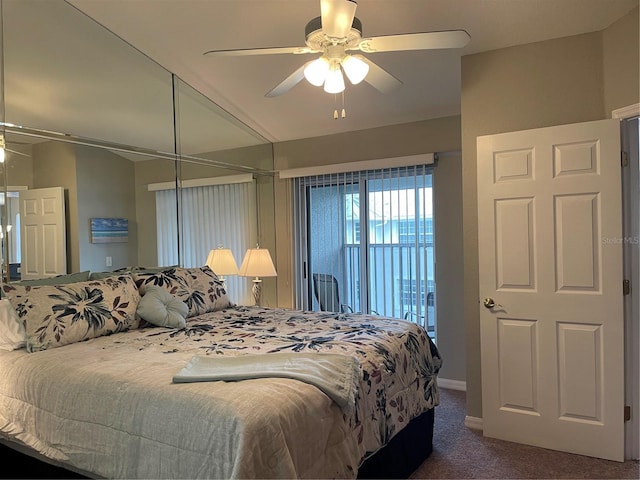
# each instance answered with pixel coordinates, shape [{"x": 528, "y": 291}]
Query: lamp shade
[
  {"x": 221, "y": 261},
  {"x": 257, "y": 263},
  {"x": 355, "y": 68},
  {"x": 334, "y": 82},
  {"x": 316, "y": 71}
]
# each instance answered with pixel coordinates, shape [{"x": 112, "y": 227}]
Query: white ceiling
[{"x": 175, "y": 33}]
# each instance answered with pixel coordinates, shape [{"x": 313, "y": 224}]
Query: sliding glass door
[{"x": 367, "y": 243}]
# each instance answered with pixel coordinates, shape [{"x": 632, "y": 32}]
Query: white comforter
[{"x": 108, "y": 405}]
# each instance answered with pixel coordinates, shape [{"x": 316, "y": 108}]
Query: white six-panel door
[
  {"x": 550, "y": 260},
  {"x": 43, "y": 233}
]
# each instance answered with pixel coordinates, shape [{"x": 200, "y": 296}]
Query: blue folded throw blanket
[{"x": 334, "y": 374}]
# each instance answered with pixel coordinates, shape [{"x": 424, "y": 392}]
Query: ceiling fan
[
  {"x": 4, "y": 150},
  {"x": 338, "y": 31}
]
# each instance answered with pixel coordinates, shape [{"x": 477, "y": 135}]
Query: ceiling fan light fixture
[
  {"x": 334, "y": 83},
  {"x": 355, "y": 68},
  {"x": 316, "y": 71}
]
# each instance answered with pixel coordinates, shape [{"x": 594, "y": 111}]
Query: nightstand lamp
[
  {"x": 257, "y": 263},
  {"x": 221, "y": 261}
]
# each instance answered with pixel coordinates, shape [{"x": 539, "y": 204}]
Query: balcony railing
[{"x": 401, "y": 282}]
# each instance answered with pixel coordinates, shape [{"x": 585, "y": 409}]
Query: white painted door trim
[
  {"x": 631, "y": 182},
  {"x": 626, "y": 112}
]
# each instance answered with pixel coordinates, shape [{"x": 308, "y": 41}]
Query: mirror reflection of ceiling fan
[
  {"x": 338, "y": 31},
  {"x": 4, "y": 149}
]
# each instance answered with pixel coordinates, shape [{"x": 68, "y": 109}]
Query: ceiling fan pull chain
[{"x": 343, "y": 113}]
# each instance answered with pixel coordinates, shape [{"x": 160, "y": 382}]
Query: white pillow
[
  {"x": 12, "y": 332},
  {"x": 159, "y": 307}
]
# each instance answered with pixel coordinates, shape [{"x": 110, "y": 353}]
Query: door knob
[{"x": 488, "y": 302}]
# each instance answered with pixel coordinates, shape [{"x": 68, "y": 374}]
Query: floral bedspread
[
  {"x": 399, "y": 362},
  {"x": 108, "y": 406}
]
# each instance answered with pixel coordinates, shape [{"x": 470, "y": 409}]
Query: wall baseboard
[
  {"x": 469, "y": 422},
  {"x": 452, "y": 384},
  {"x": 473, "y": 422}
]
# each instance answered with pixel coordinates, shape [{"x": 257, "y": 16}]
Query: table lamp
[
  {"x": 221, "y": 261},
  {"x": 257, "y": 263}
]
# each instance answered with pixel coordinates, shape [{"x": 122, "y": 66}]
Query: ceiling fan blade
[
  {"x": 337, "y": 17},
  {"x": 260, "y": 51},
  {"x": 18, "y": 153},
  {"x": 378, "y": 77},
  {"x": 415, "y": 41},
  {"x": 288, "y": 83}
]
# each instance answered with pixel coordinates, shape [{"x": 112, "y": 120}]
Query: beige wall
[
  {"x": 19, "y": 169},
  {"x": 447, "y": 205},
  {"x": 105, "y": 186},
  {"x": 438, "y": 135},
  {"x": 146, "y": 172},
  {"x": 621, "y": 51},
  {"x": 560, "y": 81},
  {"x": 429, "y": 136}
]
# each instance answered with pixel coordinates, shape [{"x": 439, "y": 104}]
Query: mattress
[{"x": 108, "y": 405}]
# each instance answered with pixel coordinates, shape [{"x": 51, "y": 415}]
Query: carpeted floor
[{"x": 460, "y": 452}]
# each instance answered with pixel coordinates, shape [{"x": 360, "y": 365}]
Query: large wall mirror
[{"x": 127, "y": 143}]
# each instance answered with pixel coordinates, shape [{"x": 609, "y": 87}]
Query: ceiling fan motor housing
[{"x": 316, "y": 39}]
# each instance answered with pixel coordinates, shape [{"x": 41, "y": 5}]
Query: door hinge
[
  {"x": 626, "y": 287},
  {"x": 627, "y": 413},
  {"x": 624, "y": 159}
]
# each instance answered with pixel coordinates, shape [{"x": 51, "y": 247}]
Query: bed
[{"x": 102, "y": 397}]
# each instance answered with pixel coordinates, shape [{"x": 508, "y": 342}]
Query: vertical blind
[
  {"x": 210, "y": 216},
  {"x": 371, "y": 233}
]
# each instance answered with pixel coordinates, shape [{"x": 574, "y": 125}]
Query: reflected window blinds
[{"x": 209, "y": 216}]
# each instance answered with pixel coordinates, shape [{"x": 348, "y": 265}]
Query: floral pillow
[
  {"x": 56, "y": 315},
  {"x": 200, "y": 288}
]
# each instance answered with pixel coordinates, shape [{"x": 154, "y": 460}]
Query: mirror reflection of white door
[
  {"x": 43, "y": 233},
  {"x": 550, "y": 259}
]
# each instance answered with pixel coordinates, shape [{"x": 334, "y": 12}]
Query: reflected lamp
[{"x": 221, "y": 261}]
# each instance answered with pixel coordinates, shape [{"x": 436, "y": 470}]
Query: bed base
[
  {"x": 398, "y": 459},
  {"x": 404, "y": 453},
  {"x": 19, "y": 461}
]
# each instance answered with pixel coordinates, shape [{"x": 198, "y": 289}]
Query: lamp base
[{"x": 257, "y": 290}]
